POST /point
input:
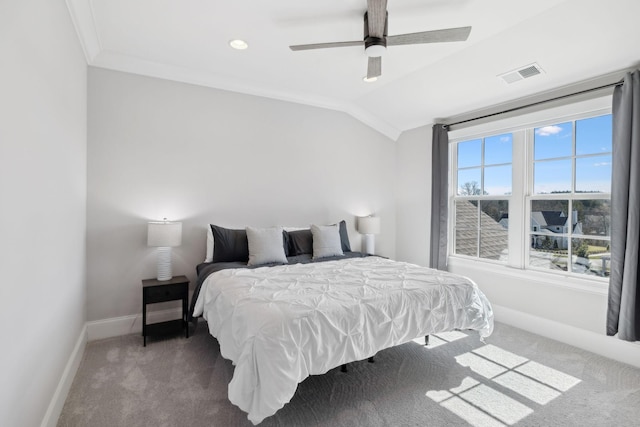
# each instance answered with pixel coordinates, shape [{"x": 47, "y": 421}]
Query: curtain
[
  {"x": 439, "y": 196},
  {"x": 623, "y": 315}
]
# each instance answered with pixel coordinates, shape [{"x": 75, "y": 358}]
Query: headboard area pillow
[
  {"x": 297, "y": 241},
  {"x": 230, "y": 245},
  {"x": 209, "y": 255},
  {"x": 326, "y": 241},
  {"x": 344, "y": 236},
  {"x": 266, "y": 245},
  {"x": 300, "y": 242}
]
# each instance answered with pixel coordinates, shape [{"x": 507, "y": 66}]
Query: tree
[
  {"x": 582, "y": 250},
  {"x": 471, "y": 188},
  {"x": 547, "y": 243}
]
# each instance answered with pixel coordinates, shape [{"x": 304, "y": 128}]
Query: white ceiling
[{"x": 187, "y": 40}]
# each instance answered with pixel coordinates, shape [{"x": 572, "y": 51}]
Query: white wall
[
  {"x": 43, "y": 202},
  {"x": 413, "y": 196},
  {"x": 165, "y": 149}
]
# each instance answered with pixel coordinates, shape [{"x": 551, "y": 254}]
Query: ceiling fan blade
[
  {"x": 377, "y": 15},
  {"x": 326, "y": 45},
  {"x": 436, "y": 36},
  {"x": 374, "y": 68}
]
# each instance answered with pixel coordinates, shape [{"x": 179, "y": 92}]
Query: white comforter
[{"x": 279, "y": 325}]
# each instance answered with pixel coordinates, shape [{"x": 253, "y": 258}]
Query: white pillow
[
  {"x": 209, "y": 256},
  {"x": 326, "y": 241},
  {"x": 265, "y": 245}
]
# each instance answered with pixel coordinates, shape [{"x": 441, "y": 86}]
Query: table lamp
[
  {"x": 369, "y": 226},
  {"x": 164, "y": 235}
]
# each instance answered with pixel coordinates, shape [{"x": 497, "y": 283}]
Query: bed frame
[{"x": 344, "y": 368}]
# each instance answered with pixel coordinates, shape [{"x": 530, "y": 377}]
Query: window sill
[{"x": 466, "y": 265}]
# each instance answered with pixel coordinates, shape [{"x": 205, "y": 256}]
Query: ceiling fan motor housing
[{"x": 375, "y": 46}]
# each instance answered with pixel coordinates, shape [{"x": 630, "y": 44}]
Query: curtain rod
[{"x": 533, "y": 104}]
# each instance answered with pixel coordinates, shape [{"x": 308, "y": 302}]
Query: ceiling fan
[{"x": 376, "y": 39}]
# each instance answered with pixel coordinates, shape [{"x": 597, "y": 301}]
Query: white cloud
[
  {"x": 602, "y": 164},
  {"x": 548, "y": 130},
  {"x": 505, "y": 139}
]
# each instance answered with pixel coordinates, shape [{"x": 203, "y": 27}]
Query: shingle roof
[{"x": 493, "y": 236}]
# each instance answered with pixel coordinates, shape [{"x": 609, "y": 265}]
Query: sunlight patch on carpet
[
  {"x": 470, "y": 413},
  {"x": 504, "y": 380},
  {"x": 556, "y": 379}
]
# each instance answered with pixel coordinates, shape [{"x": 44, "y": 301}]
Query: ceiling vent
[{"x": 521, "y": 73}]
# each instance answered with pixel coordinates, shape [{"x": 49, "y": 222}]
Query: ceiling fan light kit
[{"x": 376, "y": 40}]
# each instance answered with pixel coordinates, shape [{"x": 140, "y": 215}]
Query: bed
[{"x": 280, "y": 322}]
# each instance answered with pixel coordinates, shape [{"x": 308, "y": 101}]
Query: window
[
  {"x": 482, "y": 197},
  {"x": 570, "y": 208},
  {"x": 535, "y": 195}
]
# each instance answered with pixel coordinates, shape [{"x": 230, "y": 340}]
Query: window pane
[
  {"x": 544, "y": 254},
  {"x": 548, "y": 241},
  {"x": 497, "y": 149},
  {"x": 552, "y": 177},
  {"x": 494, "y": 223},
  {"x": 593, "y": 174},
  {"x": 594, "y": 217},
  {"x": 466, "y": 227},
  {"x": 591, "y": 257},
  {"x": 469, "y": 182},
  {"x": 549, "y": 217},
  {"x": 553, "y": 141},
  {"x": 593, "y": 135},
  {"x": 497, "y": 180},
  {"x": 469, "y": 153}
]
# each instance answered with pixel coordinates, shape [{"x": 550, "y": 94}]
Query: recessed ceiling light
[
  {"x": 369, "y": 79},
  {"x": 238, "y": 44}
]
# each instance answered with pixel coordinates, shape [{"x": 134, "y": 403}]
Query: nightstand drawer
[{"x": 164, "y": 293}]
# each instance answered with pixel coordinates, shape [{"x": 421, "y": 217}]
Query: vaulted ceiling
[{"x": 188, "y": 41}]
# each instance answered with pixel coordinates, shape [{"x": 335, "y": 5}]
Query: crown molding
[{"x": 83, "y": 20}]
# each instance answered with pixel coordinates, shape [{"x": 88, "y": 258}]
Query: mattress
[{"x": 280, "y": 324}]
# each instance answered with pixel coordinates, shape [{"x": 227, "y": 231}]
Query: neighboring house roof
[
  {"x": 494, "y": 238},
  {"x": 552, "y": 218}
]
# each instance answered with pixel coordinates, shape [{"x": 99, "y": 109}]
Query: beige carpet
[{"x": 516, "y": 378}]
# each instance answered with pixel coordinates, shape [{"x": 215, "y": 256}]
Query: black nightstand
[{"x": 154, "y": 291}]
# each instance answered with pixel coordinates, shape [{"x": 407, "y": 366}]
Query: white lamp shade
[
  {"x": 164, "y": 234},
  {"x": 369, "y": 225}
]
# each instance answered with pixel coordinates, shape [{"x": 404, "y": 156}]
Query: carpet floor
[{"x": 514, "y": 379}]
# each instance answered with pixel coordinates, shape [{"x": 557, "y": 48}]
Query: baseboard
[
  {"x": 125, "y": 325},
  {"x": 601, "y": 344},
  {"x": 62, "y": 390}
]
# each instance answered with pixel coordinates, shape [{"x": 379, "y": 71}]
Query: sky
[{"x": 553, "y": 150}]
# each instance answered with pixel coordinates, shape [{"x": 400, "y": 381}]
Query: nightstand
[{"x": 154, "y": 291}]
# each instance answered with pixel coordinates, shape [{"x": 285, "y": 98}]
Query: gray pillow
[
  {"x": 326, "y": 241},
  {"x": 230, "y": 245},
  {"x": 265, "y": 245},
  {"x": 300, "y": 242}
]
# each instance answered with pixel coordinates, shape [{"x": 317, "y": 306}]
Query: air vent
[{"x": 521, "y": 73}]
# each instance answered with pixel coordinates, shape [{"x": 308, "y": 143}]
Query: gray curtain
[
  {"x": 439, "y": 196},
  {"x": 623, "y": 315}
]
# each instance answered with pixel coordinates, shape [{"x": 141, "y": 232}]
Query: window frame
[{"x": 522, "y": 127}]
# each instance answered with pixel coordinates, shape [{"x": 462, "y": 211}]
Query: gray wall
[
  {"x": 165, "y": 149},
  {"x": 43, "y": 203}
]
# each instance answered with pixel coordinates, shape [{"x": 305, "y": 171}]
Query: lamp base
[
  {"x": 369, "y": 244},
  {"x": 164, "y": 264}
]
